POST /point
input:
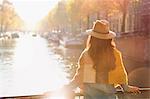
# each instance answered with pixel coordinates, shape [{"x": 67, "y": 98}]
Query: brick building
[
  {"x": 145, "y": 15},
  {"x": 135, "y": 46}
]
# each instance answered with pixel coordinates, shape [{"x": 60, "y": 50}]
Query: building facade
[{"x": 145, "y": 15}]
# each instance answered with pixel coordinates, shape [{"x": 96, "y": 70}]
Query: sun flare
[{"x": 32, "y": 11}]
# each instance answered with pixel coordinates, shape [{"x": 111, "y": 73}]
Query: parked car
[
  {"x": 14, "y": 35},
  {"x": 5, "y": 35},
  {"x": 34, "y": 34}
]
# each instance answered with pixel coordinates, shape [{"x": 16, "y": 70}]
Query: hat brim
[{"x": 109, "y": 35}]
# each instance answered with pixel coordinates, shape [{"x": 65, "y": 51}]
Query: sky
[{"x": 31, "y": 11}]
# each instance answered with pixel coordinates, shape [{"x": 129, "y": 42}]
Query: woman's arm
[
  {"x": 129, "y": 88},
  {"x": 124, "y": 84},
  {"x": 77, "y": 80}
]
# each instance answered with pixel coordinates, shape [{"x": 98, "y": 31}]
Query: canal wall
[{"x": 136, "y": 57}]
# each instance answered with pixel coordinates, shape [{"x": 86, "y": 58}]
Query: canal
[{"x": 29, "y": 66}]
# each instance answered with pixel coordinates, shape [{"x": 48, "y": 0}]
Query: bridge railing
[{"x": 145, "y": 94}]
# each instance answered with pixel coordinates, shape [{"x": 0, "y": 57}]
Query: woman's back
[{"x": 102, "y": 55}]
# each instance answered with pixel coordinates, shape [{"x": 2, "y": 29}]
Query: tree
[
  {"x": 87, "y": 9},
  {"x": 9, "y": 19},
  {"x": 60, "y": 16},
  {"x": 74, "y": 15},
  {"x": 123, "y": 5}
]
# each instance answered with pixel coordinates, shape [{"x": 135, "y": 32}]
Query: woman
[{"x": 100, "y": 64}]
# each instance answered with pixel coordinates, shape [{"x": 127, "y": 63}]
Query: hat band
[{"x": 101, "y": 32}]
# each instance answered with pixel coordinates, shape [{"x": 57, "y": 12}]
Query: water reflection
[
  {"x": 69, "y": 57},
  {"x": 6, "y": 50},
  {"x": 31, "y": 67},
  {"x": 6, "y": 61}
]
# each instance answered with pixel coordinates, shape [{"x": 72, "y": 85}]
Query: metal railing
[{"x": 78, "y": 95}]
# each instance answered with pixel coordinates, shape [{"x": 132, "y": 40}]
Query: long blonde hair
[{"x": 102, "y": 53}]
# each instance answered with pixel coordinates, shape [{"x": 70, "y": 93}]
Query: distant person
[{"x": 101, "y": 67}]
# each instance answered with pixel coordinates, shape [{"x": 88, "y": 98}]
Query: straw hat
[{"x": 101, "y": 30}]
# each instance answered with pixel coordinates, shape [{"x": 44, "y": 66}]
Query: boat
[{"x": 76, "y": 42}]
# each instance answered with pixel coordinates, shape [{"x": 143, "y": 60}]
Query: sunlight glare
[
  {"x": 34, "y": 69},
  {"x": 32, "y": 11},
  {"x": 57, "y": 97}
]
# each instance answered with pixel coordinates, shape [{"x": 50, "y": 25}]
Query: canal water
[{"x": 29, "y": 66}]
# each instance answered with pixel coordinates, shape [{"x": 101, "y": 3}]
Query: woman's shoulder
[
  {"x": 116, "y": 51},
  {"x": 85, "y": 57},
  {"x": 84, "y": 53}
]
